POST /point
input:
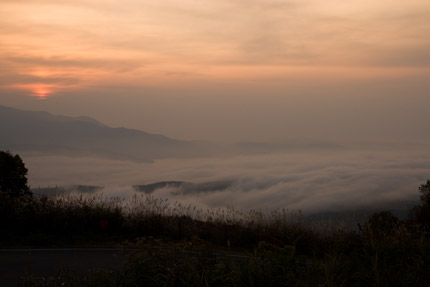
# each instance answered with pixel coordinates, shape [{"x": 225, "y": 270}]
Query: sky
[{"x": 255, "y": 70}]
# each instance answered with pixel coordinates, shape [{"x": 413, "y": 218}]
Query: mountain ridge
[{"x": 44, "y": 132}]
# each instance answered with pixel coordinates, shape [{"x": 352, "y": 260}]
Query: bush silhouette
[
  {"x": 425, "y": 193},
  {"x": 421, "y": 213},
  {"x": 381, "y": 225},
  {"x": 13, "y": 175}
]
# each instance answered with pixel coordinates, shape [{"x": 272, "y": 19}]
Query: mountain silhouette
[
  {"x": 47, "y": 133},
  {"x": 42, "y": 132}
]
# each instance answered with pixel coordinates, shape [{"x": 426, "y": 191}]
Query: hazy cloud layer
[
  {"x": 171, "y": 42},
  {"x": 312, "y": 182}
]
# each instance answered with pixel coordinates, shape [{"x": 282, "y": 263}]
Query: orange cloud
[{"x": 47, "y": 47}]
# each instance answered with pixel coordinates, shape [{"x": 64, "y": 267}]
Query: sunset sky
[{"x": 226, "y": 70}]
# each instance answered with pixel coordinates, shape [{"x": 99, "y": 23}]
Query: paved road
[{"x": 17, "y": 263}]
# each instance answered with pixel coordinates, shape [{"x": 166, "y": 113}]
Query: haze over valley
[
  {"x": 65, "y": 154},
  {"x": 311, "y": 105}
]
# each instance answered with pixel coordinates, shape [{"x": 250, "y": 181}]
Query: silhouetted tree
[
  {"x": 425, "y": 193},
  {"x": 13, "y": 175},
  {"x": 381, "y": 225},
  {"x": 421, "y": 213}
]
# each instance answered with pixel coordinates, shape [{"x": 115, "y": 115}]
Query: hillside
[{"x": 47, "y": 133}]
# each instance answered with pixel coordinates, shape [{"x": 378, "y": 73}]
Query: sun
[
  {"x": 41, "y": 91},
  {"x": 40, "y": 95},
  {"x": 37, "y": 90}
]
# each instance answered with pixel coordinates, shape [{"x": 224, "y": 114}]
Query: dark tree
[
  {"x": 425, "y": 193},
  {"x": 421, "y": 213},
  {"x": 381, "y": 225},
  {"x": 13, "y": 175}
]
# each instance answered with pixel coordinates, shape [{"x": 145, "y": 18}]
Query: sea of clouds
[{"x": 310, "y": 181}]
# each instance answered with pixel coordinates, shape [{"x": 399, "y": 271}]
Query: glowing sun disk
[{"x": 41, "y": 91}]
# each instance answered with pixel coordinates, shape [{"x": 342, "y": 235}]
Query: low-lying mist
[{"x": 313, "y": 182}]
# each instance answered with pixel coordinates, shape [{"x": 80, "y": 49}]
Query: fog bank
[{"x": 310, "y": 181}]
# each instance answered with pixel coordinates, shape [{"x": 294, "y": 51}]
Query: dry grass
[{"x": 177, "y": 243}]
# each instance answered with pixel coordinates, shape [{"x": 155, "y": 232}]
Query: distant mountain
[
  {"x": 150, "y": 188},
  {"x": 42, "y": 132},
  {"x": 64, "y": 190},
  {"x": 46, "y": 133},
  {"x": 183, "y": 187}
]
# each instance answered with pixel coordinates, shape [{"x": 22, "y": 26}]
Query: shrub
[{"x": 381, "y": 225}]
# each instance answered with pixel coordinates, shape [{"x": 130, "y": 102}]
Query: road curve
[{"x": 15, "y": 264}]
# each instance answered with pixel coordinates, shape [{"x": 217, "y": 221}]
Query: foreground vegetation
[
  {"x": 178, "y": 245},
  {"x": 268, "y": 265}
]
